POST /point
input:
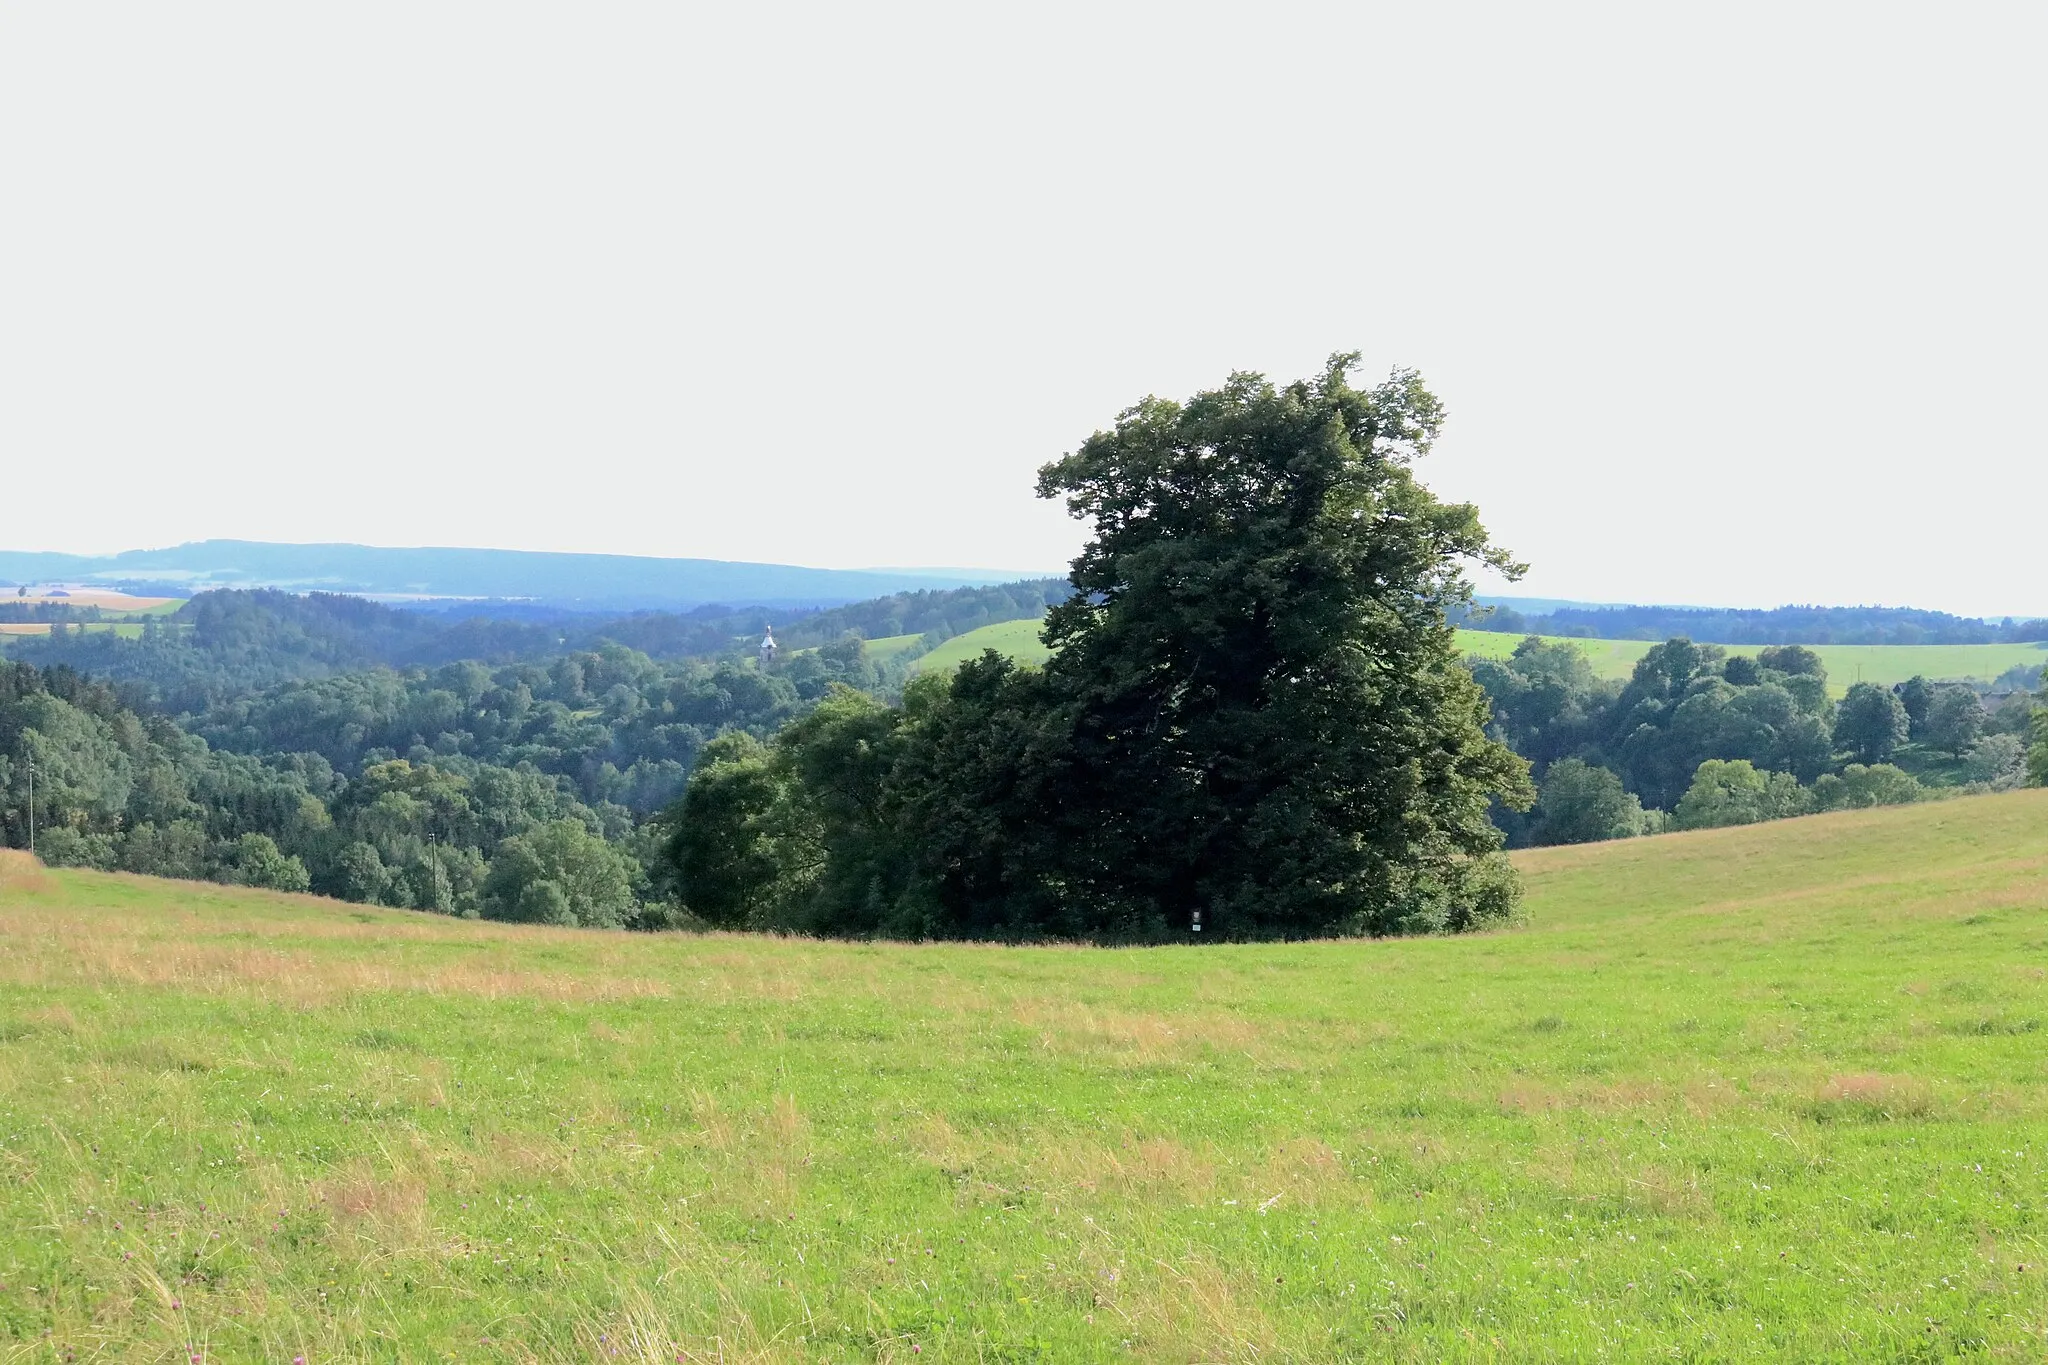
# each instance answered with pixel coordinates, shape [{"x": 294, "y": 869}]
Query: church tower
[{"x": 768, "y": 647}]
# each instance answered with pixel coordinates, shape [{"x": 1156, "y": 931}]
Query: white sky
[{"x": 1730, "y": 304}]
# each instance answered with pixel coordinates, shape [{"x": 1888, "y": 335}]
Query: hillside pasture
[
  {"x": 1773, "y": 1091},
  {"x": 890, "y": 646},
  {"x": 1017, "y": 639},
  {"x": 1846, "y": 664}
]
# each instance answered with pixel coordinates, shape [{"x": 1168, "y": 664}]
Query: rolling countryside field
[
  {"x": 1846, "y": 664},
  {"x": 1018, "y": 639},
  {"x": 1775, "y": 1091}
]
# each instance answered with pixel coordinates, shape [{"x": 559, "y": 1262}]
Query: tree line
[
  {"x": 1776, "y": 626},
  {"x": 1697, "y": 738},
  {"x": 225, "y": 644}
]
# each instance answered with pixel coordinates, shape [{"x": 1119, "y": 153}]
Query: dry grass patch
[
  {"x": 52, "y": 947},
  {"x": 1195, "y": 1311},
  {"x": 22, "y": 873},
  {"x": 1139, "y": 1168},
  {"x": 1873, "y": 1096},
  {"x": 1067, "y": 1026}
]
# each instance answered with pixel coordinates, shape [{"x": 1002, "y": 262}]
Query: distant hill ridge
[
  {"x": 1790, "y": 625},
  {"x": 590, "y": 582}
]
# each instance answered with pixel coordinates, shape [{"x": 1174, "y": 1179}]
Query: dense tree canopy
[{"x": 1255, "y": 710}]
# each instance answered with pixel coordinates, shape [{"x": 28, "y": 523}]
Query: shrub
[
  {"x": 1736, "y": 792},
  {"x": 560, "y": 873},
  {"x": 1582, "y": 803},
  {"x": 1860, "y": 786},
  {"x": 256, "y": 860}
]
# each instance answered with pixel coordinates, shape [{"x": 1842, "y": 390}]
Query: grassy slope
[
  {"x": 1774, "y": 1091},
  {"x": 1611, "y": 658},
  {"x": 1018, "y": 639},
  {"x": 889, "y": 646},
  {"x": 1845, "y": 663}
]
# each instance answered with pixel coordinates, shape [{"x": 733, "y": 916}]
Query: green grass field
[
  {"x": 1018, "y": 639},
  {"x": 1773, "y": 1092},
  {"x": 1846, "y": 664},
  {"x": 889, "y": 646}
]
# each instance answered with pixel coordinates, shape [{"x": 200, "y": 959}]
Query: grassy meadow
[
  {"x": 1768, "y": 1092},
  {"x": 1846, "y": 664},
  {"x": 1018, "y": 639}
]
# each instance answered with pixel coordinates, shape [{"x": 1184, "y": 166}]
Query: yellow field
[
  {"x": 126, "y": 629},
  {"x": 103, "y": 598}
]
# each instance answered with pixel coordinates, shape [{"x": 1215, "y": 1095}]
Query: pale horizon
[{"x": 1737, "y": 308}]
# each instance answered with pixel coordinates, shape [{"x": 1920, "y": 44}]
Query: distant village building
[{"x": 768, "y": 647}]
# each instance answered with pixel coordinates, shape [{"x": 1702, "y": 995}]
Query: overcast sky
[{"x": 1729, "y": 304}]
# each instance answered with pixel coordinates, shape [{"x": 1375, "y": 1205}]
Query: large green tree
[
  {"x": 1583, "y": 803},
  {"x": 1261, "y": 711},
  {"x": 1871, "y": 723},
  {"x": 1255, "y": 711}
]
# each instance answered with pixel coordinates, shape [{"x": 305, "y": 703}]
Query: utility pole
[{"x": 31, "y": 804}]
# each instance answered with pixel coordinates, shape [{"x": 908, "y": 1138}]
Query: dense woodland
[
  {"x": 224, "y": 645},
  {"x": 1697, "y": 738}
]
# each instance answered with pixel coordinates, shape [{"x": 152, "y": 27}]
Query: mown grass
[
  {"x": 1846, "y": 664},
  {"x": 1775, "y": 1092}
]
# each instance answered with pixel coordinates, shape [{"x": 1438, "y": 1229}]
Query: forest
[{"x": 1698, "y": 738}]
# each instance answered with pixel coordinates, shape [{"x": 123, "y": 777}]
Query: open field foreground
[{"x": 1772, "y": 1092}]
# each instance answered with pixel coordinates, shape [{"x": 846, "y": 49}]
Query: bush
[
  {"x": 1997, "y": 761},
  {"x": 256, "y": 860},
  {"x": 63, "y": 846},
  {"x": 1859, "y": 787},
  {"x": 1736, "y": 792},
  {"x": 560, "y": 873},
  {"x": 1582, "y": 803}
]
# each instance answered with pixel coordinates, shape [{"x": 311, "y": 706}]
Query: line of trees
[
  {"x": 223, "y": 645},
  {"x": 1775, "y": 626},
  {"x": 465, "y": 790},
  {"x": 1697, "y": 738}
]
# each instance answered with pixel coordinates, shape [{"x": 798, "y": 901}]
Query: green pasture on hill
[
  {"x": 1846, "y": 664},
  {"x": 889, "y": 646},
  {"x": 1773, "y": 1092},
  {"x": 1018, "y": 639}
]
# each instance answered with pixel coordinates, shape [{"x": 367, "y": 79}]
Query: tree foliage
[
  {"x": 1736, "y": 792},
  {"x": 1871, "y": 723},
  {"x": 1582, "y": 804},
  {"x": 1255, "y": 709}
]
